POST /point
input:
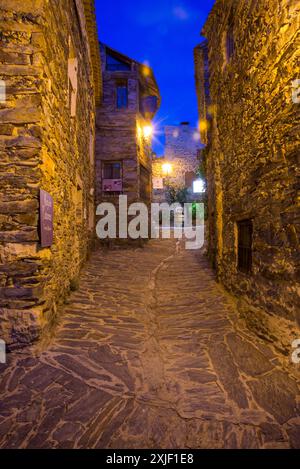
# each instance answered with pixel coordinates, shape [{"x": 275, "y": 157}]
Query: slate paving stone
[
  {"x": 294, "y": 434},
  {"x": 248, "y": 358},
  {"x": 271, "y": 432},
  {"x": 276, "y": 392},
  {"x": 88, "y": 405},
  {"x": 148, "y": 354},
  {"x": 228, "y": 374}
]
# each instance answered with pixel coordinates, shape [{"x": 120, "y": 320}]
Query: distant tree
[{"x": 176, "y": 193}]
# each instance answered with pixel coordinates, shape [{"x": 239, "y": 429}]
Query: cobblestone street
[{"x": 148, "y": 354}]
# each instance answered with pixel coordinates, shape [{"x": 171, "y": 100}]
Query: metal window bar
[
  {"x": 245, "y": 233},
  {"x": 230, "y": 41}
]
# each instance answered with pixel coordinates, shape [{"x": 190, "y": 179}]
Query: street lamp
[
  {"x": 147, "y": 131},
  {"x": 166, "y": 169}
]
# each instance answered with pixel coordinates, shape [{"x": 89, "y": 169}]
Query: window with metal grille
[
  {"x": 122, "y": 95},
  {"x": 245, "y": 233},
  {"x": 230, "y": 39}
]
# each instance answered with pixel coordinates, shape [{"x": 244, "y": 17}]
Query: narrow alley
[{"x": 148, "y": 354}]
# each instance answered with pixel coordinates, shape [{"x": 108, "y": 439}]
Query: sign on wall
[
  {"x": 46, "y": 219},
  {"x": 157, "y": 183}
]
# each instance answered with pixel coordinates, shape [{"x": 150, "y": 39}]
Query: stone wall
[
  {"x": 203, "y": 92},
  {"x": 44, "y": 147},
  {"x": 253, "y": 147},
  {"x": 119, "y": 133},
  {"x": 182, "y": 152},
  {"x": 116, "y": 131}
]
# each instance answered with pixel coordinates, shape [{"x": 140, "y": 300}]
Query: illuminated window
[
  {"x": 245, "y": 233},
  {"x": 198, "y": 186}
]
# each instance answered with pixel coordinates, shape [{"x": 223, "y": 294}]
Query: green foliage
[{"x": 176, "y": 193}]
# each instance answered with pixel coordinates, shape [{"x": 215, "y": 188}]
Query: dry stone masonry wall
[
  {"x": 46, "y": 142},
  {"x": 253, "y": 147}
]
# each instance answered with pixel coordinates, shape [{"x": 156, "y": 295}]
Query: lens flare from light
[
  {"x": 166, "y": 169},
  {"x": 147, "y": 131}
]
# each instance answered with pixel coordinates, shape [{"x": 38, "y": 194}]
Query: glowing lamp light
[
  {"x": 203, "y": 125},
  {"x": 146, "y": 71},
  {"x": 147, "y": 131},
  {"x": 166, "y": 169},
  {"x": 198, "y": 186},
  {"x": 139, "y": 131}
]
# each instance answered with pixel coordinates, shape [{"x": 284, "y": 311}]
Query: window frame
[
  {"x": 121, "y": 84},
  {"x": 230, "y": 43},
  {"x": 111, "y": 163},
  {"x": 111, "y": 192},
  {"x": 244, "y": 245}
]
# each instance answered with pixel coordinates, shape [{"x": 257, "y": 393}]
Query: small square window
[
  {"x": 112, "y": 170},
  {"x": 245, "y": 234},
  {"x": 112, "y": 183}
]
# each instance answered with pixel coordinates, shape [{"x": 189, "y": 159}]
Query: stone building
[
  {"x": 180, "y": 163},
  {"x": 248, "y": 120},
  {"x": 123, "y": 129},
  {"x": 50, "y": 65}
]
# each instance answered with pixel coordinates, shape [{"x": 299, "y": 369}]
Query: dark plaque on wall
[{"x": 46, "y": 219}]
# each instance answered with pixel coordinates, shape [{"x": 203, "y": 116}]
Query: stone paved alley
[{"x": 148, "y": 355}]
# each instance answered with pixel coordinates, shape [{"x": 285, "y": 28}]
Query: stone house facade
[
  {"x": 248, "y": 120},
  {"x": 180, "y": 163},
  {"x": 50, "y": 64},
  {"x": 123, "y": 129}
]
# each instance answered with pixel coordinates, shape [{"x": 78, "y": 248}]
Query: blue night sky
[{"x": 162, "y": 33}]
